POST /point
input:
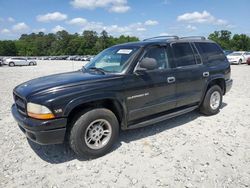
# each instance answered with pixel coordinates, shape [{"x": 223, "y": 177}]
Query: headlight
[{"x": 38, "y": 111}]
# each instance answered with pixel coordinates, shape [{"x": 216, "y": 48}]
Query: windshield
[
  {"x": 114, "y": 59},
  {"x": 236, "y": 54}
]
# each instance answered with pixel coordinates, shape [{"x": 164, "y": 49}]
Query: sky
[{"x": 141, "y": 18}]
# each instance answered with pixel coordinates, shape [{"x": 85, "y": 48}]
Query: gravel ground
[{"x": 188, "y": 151}]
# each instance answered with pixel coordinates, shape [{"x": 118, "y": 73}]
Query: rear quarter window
[{"x": 211, "y": 53}]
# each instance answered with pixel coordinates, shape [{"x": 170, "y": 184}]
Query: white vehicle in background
[
  {"x": 18, "y": 61},
  {"x": 238, "y": 57}
]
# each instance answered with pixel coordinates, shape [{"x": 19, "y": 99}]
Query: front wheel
[
  {"x": 212, "y": 101},
  {"x": 11, "y": 64},
  {"x": 240, "y": 62},
  {"x": 94, "y": 133}
]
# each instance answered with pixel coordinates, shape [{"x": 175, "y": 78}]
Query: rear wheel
[
  {"x": 94, "y": 133},
  {"x": 31, "y": 64},
  {"x": 212, "y": 101},
  {"x": 11, "y": 64}
]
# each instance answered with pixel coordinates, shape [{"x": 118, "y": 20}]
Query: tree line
[
  {"x": 61, "y": 43},
  {"x": 236, "y": 42},
  {"x": 91, "y": 43}
]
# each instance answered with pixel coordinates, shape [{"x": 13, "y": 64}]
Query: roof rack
[
  {"x": 162, "y": 37},
  {"x": 194, "y": 37}
]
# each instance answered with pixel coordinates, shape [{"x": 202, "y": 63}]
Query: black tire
[
  {"x": 79, "y": 128},
  {"x": 31, "y": 64},
  {"x": 11, "y": 64},
  {"x": 205, "y": 107},
  {"x": 240, "y": 62}
]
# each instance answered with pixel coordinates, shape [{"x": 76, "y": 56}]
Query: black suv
[{"x": 126, "y": 86}]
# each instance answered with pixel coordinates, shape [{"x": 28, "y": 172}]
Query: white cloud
[
  {"x": 20, "y": 27},
  {"x": 117, "y": 6},
  {"x": 130, "y": 29},
  {"x": 138, "y": 27},
  {"x": 151, "y": 22},
  {"x": 5, "y": 31},
  {"x": 49, "y": 17},
  {"x": 201, "y": 17},
  {"x": 78, "y": 21},
  {"x": 196, "y": 17},
  {"x": 191, "y": 28},
  {"x": 57, "y": 28},
  {"x": 10, "y": 19}
]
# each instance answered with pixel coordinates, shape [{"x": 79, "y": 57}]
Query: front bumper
[
  {"x": 41, "y": 131},
  {"x": 229, "y": 84}
]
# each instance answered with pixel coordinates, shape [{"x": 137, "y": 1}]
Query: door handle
[
  {"x": 205, "y": 74},
  {"x": 171, "y": 80}
]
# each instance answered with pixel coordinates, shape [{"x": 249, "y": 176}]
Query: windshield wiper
[{"x": 97, "y": 69}]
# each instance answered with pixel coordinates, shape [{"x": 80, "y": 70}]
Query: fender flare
[{"x": 96, "y": 97}]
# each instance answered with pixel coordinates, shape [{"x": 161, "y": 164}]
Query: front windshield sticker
[{"x": 124, "y": 51}]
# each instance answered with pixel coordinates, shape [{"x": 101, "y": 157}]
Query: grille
[{"x": 20, "y": 104}]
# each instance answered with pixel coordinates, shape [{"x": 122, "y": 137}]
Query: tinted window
[
  {"x": 211, "y": 52},
  {"x": 18, "y": 58},
  {"x": 183, "y": 54},
  {"x": 160, "y": 55},
  {"x": 196, "y": 54}
]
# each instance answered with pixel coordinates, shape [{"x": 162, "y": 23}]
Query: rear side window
[
  {"x": 211, "y": 52},
  {"x": 183, "y": 54}
]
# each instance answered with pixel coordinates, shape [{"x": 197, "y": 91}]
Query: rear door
[
  {"x": 152, "y": 91},
  {"x": 191, "y": 74},
  {"x": 19, "y": 61},
  {"x": 24, "y": 61}
]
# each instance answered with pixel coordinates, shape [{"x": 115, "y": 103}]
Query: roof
[{"x": 165, "y": 39}]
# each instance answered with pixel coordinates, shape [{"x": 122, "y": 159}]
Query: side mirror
[{"x": 148, "y": 63}]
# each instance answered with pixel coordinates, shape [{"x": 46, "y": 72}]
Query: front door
[{"x": 152, "y": 91}]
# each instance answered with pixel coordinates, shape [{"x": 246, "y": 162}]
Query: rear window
[
  {"x": 183, "y": 54},
  {"x": 211, "y": 52}
]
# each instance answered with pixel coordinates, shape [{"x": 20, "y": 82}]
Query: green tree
[
  {"x": 89, "y": 40},
  {"x": 8, "y": 48},
  {"x": 240, "y": 42},
  {"x": 222, "y": 37},
  {"x": 61, "y": 43}
]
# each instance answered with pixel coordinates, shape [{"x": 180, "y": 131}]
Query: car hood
[{"x": 57, "y": 81}]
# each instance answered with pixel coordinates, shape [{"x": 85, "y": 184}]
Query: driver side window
[{"x": 159, "y": 54}]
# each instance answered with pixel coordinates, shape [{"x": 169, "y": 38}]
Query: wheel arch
[
  {"x": 12, "y": 62},
  {"x": 112, "y": 104},
  {"x": 218, "y": 81}
]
